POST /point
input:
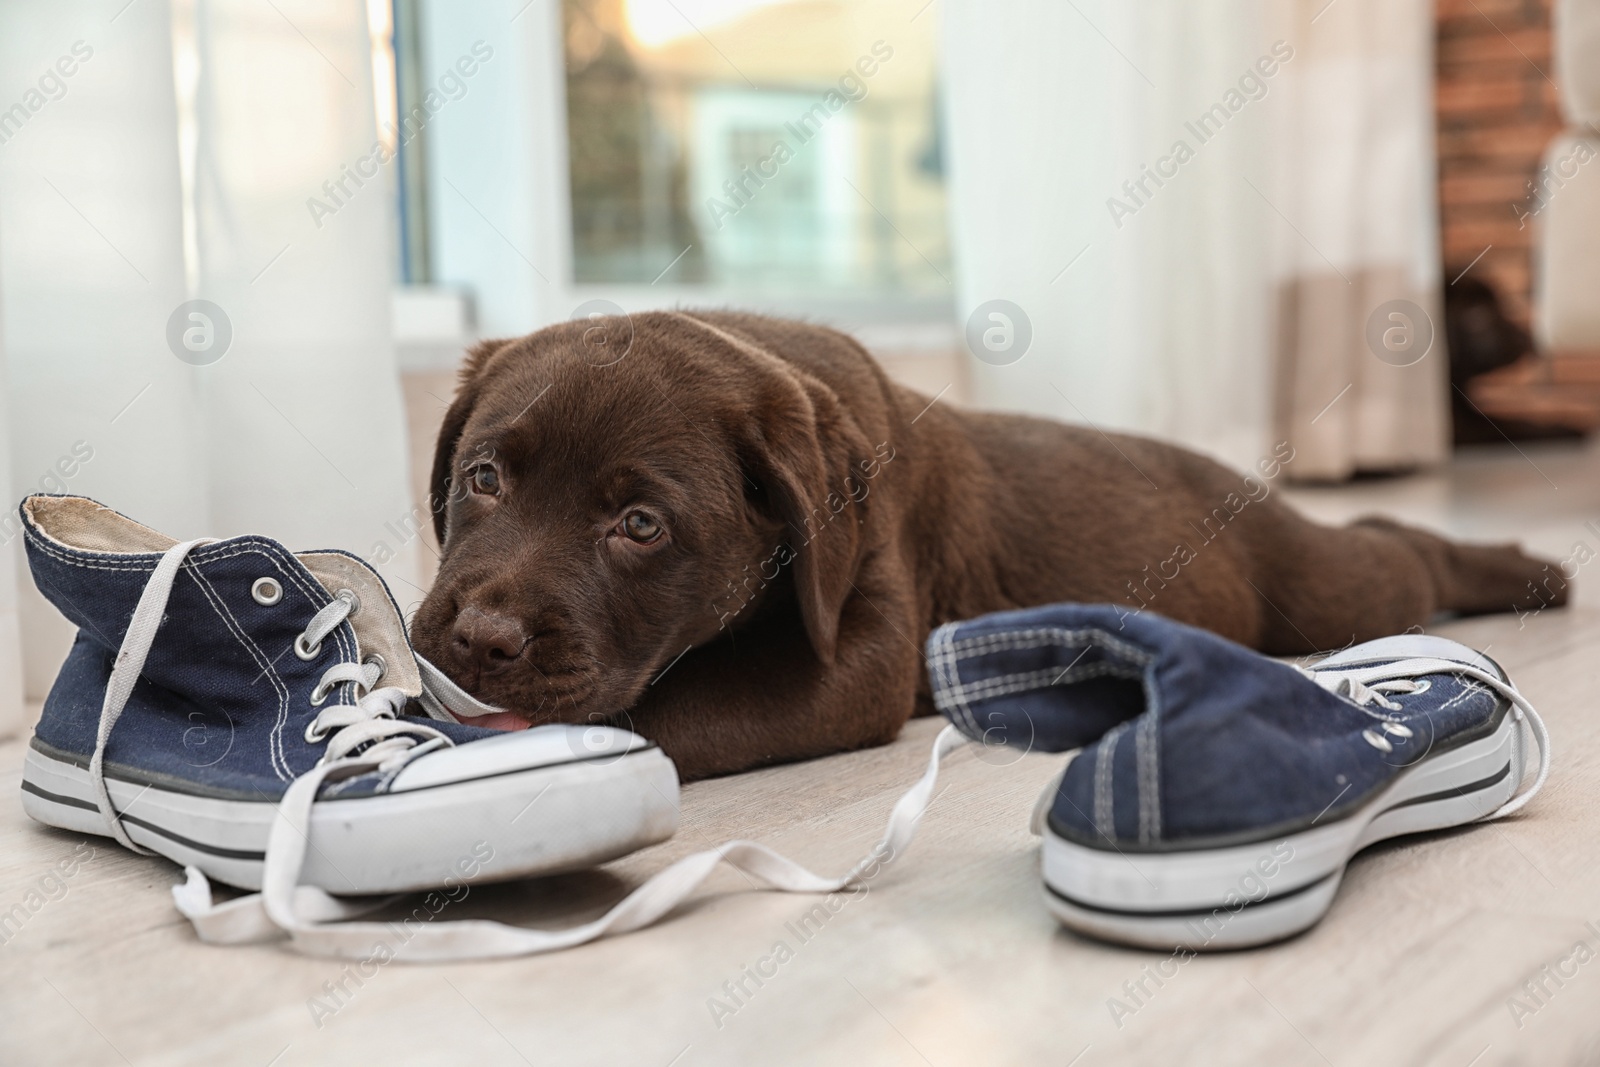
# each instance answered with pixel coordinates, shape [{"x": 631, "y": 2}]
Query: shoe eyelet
[
  {"x": 266, "y": 591},
  {"x": 304, "y": 651},
  {"x": 318, "y": 696},
  {"x": 376, "y": 660},
  {"x": 1422, "y": 686},
  {"x": 1397, "y": 729},
  {"x": 313, "y": 735},
  {"x": 355, "y": 601},
  {"x": 1377, "y": 741}
]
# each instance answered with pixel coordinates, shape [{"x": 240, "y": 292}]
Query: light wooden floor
[{"x": 949, "y": 959}]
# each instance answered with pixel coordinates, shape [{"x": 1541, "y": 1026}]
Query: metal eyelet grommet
[
  {"x": 376, "y": 660},
  {"x": 313, "y": 735},
  {"x": 266, "y": 591},
  {"x": 1423, "y": 686},
  {"x": 1397, "y": 729},
  {"x": 355, "y": 601},
  {"x": 318, "y": 695},
  {"x": 1377, "y": 741},
  {"x": 304, "y": 651}
]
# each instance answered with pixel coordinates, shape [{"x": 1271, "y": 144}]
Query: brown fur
[{"x": 821, "y": 520}]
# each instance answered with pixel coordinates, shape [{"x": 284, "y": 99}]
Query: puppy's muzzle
[{"x": 487, "y": 641}]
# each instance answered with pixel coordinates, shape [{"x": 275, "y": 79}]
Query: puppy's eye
[
  {"x": 485, "y": 479},
  {"x": 640, "y": 527}
]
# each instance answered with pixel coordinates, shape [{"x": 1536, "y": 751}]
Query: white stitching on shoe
[
  {"x": 1147, "y": 740},
  {"x": 1006, "y": 684},
  {"x": 1473, "y": 689},
  {"x": 962, "y": 700},
  {"x": 279, "y": 755},
  {"x": 951, "y": 697},
  {"x": 972, "y": 647},
  {"x": 1016, "y": 640},
  {"x": 1104, "y": 810},
  {"x": 312, "y": 591},
  {"x": 238, "y": 547},
  {"x": 269, "y": 550},
  {"x": 280, "y": 763}
]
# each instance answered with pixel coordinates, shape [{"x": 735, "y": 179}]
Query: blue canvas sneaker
[
  {"x": 1219, "y": 794},
  {"x": 236, "y": 707}
]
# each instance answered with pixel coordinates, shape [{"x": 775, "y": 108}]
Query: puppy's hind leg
[
  {"x": 1326, "y": 587},
  {"x": 1480, "y": 579}
]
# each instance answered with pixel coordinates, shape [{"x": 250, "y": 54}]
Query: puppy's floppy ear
[
  {"x": 455, "y": 420},
  {"x": 806, "y": 453}
]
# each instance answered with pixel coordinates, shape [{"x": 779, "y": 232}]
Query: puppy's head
[{"x": 599, "y": 520}]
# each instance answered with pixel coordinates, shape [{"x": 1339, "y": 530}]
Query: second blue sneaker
[{"x": 1219, "y": 794}]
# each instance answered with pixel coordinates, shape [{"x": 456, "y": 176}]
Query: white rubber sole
[
  {"x": 1251, "y": 894},
  {"x": 542, "y": 820}
]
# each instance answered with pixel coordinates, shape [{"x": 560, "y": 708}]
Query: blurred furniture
[
  {"x": 1537, "y": 397},
  {"x": 1499, "y": 389}
]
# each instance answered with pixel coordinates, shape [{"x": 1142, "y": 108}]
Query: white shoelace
[
  {"x": 1367, "y": 686},
  {"x": 367, "y": 735}
]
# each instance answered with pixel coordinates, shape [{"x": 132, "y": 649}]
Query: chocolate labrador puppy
[{"x": 732, "y": 534}]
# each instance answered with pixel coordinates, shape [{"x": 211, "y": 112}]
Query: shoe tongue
[
  {"x": 377, "y": 623},
  {"x": 379, "y": 628}
]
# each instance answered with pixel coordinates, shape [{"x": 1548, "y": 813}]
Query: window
[{"x": 759, "y": 146}]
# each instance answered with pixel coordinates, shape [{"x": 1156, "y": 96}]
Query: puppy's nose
[{"x": 488, "y": 639}]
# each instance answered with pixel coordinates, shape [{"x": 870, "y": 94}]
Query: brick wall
[{"x": 1496, "y": 112}]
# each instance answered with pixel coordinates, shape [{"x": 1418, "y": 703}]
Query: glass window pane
[{"x": 761, "y": 145}]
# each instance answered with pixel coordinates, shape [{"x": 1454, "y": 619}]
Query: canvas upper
[
  {"x": 223, "y": 702},
  {"x": 1191, "y": 740}
]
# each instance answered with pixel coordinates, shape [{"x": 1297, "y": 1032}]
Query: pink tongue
[{"x": 499, "y": 720}]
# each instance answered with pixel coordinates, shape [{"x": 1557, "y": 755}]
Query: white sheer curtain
[
  {"x": 1356, "y": 171},
  {"x": 176, "y": 162},
  {"x": 11, "y": 692},
  {"x": 1148, "y": 182}
]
